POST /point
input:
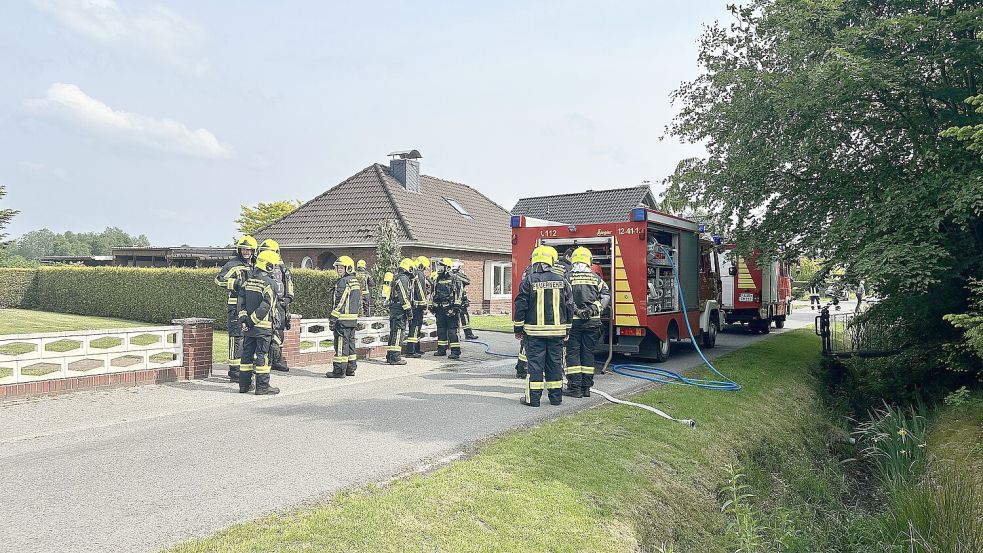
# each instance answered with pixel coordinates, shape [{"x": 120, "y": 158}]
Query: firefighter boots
[
  {"x": 574, "y": 386},
  {"x": 234, "y": 373},
  {"x": 245, "y": 381},
  {"x": 350, "y": 370},
  {"x": 263, "y": 387},
  {"x": 469, "y": 334}
]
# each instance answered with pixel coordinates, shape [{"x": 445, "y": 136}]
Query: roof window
[{"x": 460, "y": 208}]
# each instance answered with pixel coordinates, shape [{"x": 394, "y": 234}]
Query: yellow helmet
[
  {"x": 267, "y": 260},
  {"x": 446, "y": 262},
  {"x": 269, "y": 244},
  {"x": 541, "y": 255},
  {"x": 388, "y": 277},
  {"x": 554, "y": 255},
  {"x": 387, "y": 284},
  {"x": 246, "y": 242},
  {"x": 361, "y": 264},
  {"x": 581, "y": 255},
  {"x": 423, "y": 262},
  {"x": 433, "y": 275},
  {"x": 406, "y": 264},
  {"x": 345, "y": 262}
]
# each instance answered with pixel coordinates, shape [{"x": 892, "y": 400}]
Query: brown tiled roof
[
  {"x": 590, "y": 207},
  {"x": 349, "y": 213}
]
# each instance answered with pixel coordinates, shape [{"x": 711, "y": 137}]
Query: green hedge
[{"x": 151, "y": 295}]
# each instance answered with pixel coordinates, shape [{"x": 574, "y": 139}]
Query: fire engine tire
[
  {"x": 765, "y": 327},
  {"x": 661, "y": 350},
  {"x": 780, "y": 323},
  {"x": 709, "y": 338}
]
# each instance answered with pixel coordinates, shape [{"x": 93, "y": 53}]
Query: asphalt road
[{"x": 142, "y": 468}]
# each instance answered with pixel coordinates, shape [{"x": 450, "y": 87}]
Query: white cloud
[
  {"x": 69, "y": 104},
  {"x": 41, "y": 170},
  {"x": 157, "y": 32}
]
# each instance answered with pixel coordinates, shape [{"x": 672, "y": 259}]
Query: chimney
[{"x": 405, "y": 168}]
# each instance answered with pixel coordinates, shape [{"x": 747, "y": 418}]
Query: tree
[
  {"x": 252, "y": 219},
  {"x": 5, "y": 216},
  {"x": 39, "y": 243},
  {"x": 388, "y": 253},
  {"x": 823, "y": 126}
]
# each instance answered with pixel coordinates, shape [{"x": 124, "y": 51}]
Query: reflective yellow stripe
[
  {"x": 264, "y": 324},
  {"x": 556, "y": 306},
  {"x": 540, "y": 307},
  {"x": 522, "y": 357},
  {"x": 537, "y": 385},
  {"x": 455, "y": 344},
  {"x": 346, "y": 316},
  {"x": 262, "y": 369},
  {"x": 518, "y": 323},
  {"x": 554, "y": 384},
  {"x": 245, "y": 368}
]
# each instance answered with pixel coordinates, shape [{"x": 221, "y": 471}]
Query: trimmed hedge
[{"x": 151, "y": 295}]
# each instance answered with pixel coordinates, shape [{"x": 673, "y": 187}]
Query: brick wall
[{"x": 474, "y": 266}]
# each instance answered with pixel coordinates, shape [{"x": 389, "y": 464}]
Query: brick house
[{"x": 434, "y": 217}]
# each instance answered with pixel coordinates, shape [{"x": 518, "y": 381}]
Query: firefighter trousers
[
  {"x": 397, "y": 333},
  {"x": 345, "y": 359},
  {"x": 545, "y": 369},
  {"x": 580, "y": 354},
  {"x": 523, "y": 362},
  {"x": 447, "y": 336},
  {"x": 416, "y": 331},
  {"x": 276, "y": 345},
  {"x": 255, "y": 350},
  {"x": 235, "y": 336}
]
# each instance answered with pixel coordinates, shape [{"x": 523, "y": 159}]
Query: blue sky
[{"x": 162, "y": 118}]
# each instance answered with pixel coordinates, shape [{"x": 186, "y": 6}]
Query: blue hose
[{"x": 666, "y": 376}]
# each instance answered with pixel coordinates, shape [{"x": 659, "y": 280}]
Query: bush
[{"x": 139, "y": 294}]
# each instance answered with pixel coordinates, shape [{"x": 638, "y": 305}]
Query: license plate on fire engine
[{"x": 746, "y": 298}]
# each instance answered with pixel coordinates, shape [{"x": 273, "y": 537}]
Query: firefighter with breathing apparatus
[
  {"x": 229, "y": 276},
  {"x": 397, "y": 290},
  {"x": 445, "y": 304},
  {"x": 257, "y": 300},
  {"x": 590, "y": 297}
]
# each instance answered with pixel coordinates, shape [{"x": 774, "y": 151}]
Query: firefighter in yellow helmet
[
  {"x": 521, "y": 366},
  {"x": 541, "y": 316},
  {"x": 400, "y": 310},
  {"x": 284, "y": 289},
  {"x": 465, "y": 302},
  {"x": 446, "y": 303},
  {"x": 590, "y": 297},
  {"x": 419, "y": 296},
  {"x": 344, "y": 318},
  {"x": 367, "y": 282},
  {"x": 230, "y": 277},
  {"x": 258, "y": 304}
]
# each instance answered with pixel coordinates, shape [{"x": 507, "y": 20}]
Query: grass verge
[
  {"x": 607, "y": 479},
  {"x": 497, "y": 323},
  {"x": 24, "y": 321}
]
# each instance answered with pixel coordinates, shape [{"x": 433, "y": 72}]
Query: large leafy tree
[
  {"x": 253, "y": 218},
  {"x": 39, "y": 243},
  {"x": 823, "y": 122}
]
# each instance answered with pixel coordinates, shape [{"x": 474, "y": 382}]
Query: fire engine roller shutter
[
  {"x": 624, "y": 306},
  {"x": 689, "y": 265}
]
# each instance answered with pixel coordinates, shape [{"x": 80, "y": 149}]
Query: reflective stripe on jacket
[
  {"x": 257, "y": 297},
  {"x": 347, "y": 301},
  {"x": 226, "y": 278},
  {"x": 589, "y": 291},
  {"x": 544, "y": 305}
]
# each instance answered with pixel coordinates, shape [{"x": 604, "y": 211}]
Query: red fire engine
[
  {"x": 754, "y": 296},
  {"x": 646, "y": 309}
]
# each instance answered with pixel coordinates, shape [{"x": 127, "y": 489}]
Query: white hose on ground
[{"x": 688, "y": 422}]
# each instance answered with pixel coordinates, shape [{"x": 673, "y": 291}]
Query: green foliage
[
  {"x": 5, "y": 215},
  {"x": 743, "y": 529},
  {"x": 141, "y": 294},
  {"x": 971, "y": 134},
  {"x": 822, "y": 125},
  {"x": 387, "y": 257},
  {"x": 39, "y": 243},
  {"x": 893, "y": 441},
  {"x": 251, "y": 219}
]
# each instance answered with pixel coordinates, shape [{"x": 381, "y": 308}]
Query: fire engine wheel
[
  {"x": 710, "y": 336},
  {"x": 765, "y": 327},
  {"x": 662, "y": 351},
  {"x": 779, "y": 323}
]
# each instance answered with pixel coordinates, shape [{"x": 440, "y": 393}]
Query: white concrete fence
[
  {"x": 52, "y": 355},
  {"x": 372, "y": 332}
]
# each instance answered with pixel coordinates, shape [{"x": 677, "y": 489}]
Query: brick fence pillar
[
  {"x": 196, "y": 336},
  {"x": 291, "y": 341}
]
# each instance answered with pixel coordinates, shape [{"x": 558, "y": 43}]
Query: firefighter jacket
[
  {"x": 465, "y": 281},
  {"x": 590, "y": 296},
  {"x": 447, "y": 291},
  {"x": 543, "y": 306},
  {"x": 257, "y": 299},
  {"x": 237, "y": 268},
  {"x": 421, "y": 288},
  {"x": 367, "y": 284},
  {"x": 400, "y": 299},
  {"x": 347, "y": 301},
  {"x": 284, "y": 284}
]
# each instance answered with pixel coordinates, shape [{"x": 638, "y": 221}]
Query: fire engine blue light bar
[
  {"x": 638, "y": 214},
  {"x": 516, "y": 221}
]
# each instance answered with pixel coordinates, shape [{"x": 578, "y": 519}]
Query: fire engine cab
[
  {"x": 755, "y": 292},
  {"x": 636, "y": 257}
]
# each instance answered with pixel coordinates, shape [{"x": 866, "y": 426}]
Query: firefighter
[
  {"x": 814, "y": 297},
  {"x": 400, "y": 310},
  {"x": 590, "y": 297},
  {"x": 228, "y": 276},
  {"x": 446, "y": 305},
  {"x": 521, "y": 366},
  {"x": 367, "y": 283},
  {"x": 257, "y": 300},
  {"x": 284, "y": 290},
  {"x": 418, "y": 297},
  {"x": 542, "y": 317},
  {"x": 465, "y": 302},
  {"x": 344, "y": 318}
]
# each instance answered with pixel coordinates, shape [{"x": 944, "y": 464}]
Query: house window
[
  {"x": 498, "y": 280},
  {"x": 460, "y": 208},
  {"x": 307, "y": 263}
]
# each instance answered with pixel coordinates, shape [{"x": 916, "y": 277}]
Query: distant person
[
  {"x": 541, "y": 315},
  {"x": 344, "y": 319},
  {"x": 258, "y": 305},
  {"x": 367, "y": 284},
  {"x": 814, "y": 297},
  {"x": 227, "y": 277},
  {"x": 465, "y": 301}
]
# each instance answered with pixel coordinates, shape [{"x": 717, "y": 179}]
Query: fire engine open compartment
[{"x": 635, "y": 257}]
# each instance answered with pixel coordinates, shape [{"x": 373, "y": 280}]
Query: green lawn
[
  {"x": 499, "y": 323},
  {"x": 608, "y": 479}
]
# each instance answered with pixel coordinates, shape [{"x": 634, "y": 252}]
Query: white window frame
[
  {"x": 490, "y": 268},
  {"x": 307, "y": 263},
  {"x": 458, "y": 207}
]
